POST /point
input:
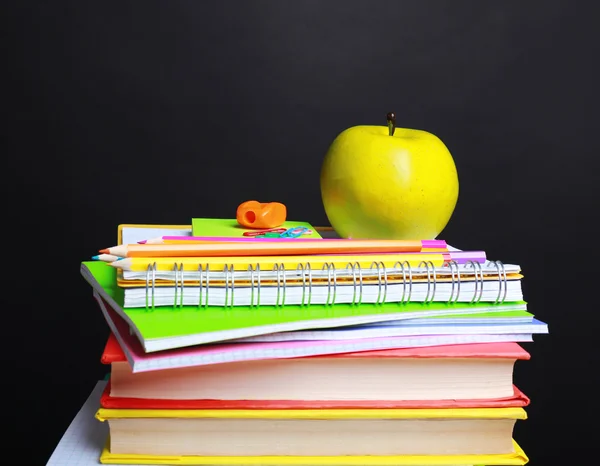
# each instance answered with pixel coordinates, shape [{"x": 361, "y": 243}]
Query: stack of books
[{"x": 232, "y": 349}]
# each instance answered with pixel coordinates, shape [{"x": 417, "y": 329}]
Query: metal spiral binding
[
  {"x": 178, "y": 269},
  {"x": 229, "y": 277},
  {"x": 207, "y": 284},
  {"x": 354, "y": 267},
  {"x": 478, "y": 274},
  {"x": 252, "y": 271},
  {"x": 300, "y": 268},
  {"x": 380, "y": 267},
  {"x": 304, "y": 276},
  {"x": 502, "y": 282},
  {"x": 430, "y": 274},
  {"x": 281, "y": 283},
  {"x": 331, "y": 272},
  {"x": 455, "y": 275},
  {"x": 151, "y": 270},
  {"x": 201, "y": 274},
  {"x": 200, "y": 277},
  {"x": 405, "y": 299}
]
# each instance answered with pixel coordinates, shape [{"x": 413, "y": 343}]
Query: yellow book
[
  {"x": 305, "y": 436},
  {"x": 106, "y": 414},
  {"x": 518, "y": 457}
]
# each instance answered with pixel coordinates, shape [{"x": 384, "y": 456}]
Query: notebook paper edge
[{"x": 197, "y": 357}]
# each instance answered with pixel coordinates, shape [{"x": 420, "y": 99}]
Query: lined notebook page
[{"x": 82, "y": 442}]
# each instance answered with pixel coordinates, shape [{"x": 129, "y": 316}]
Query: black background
[{"x": 157, "y": 112}]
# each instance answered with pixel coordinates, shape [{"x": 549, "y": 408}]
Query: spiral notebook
[
  {"x": 452, "y": 275},
  {"x": 167, "y": 327},
  {"x": 294, "y": 280}
]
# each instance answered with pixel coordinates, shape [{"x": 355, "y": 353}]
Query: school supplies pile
[{"x": 288, "y": 348}]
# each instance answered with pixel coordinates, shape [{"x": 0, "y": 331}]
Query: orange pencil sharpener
[{"x": 254, "y": 214}]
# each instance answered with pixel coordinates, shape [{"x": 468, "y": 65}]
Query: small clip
[
  {"x": 264, "y": 232},
  {"x": 295, "y": 232}
]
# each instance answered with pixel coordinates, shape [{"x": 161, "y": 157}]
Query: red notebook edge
[
  {"x": 518, "y": 400},
  {"x": 112, "y": 351}
]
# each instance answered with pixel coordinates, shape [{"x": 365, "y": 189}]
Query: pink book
[{"x": 458, "y": 376}]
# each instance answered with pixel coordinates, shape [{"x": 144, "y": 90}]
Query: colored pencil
[
  {"x": 106, "y": 258},
  {"x": 334, "y": 246},
  {"x": 141, "y": 264},
  {"x": 460, "y": 257},
  {"x": 214, "y": 239}
]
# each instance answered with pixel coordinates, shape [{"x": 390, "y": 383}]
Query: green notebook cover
[
  {"x": 230, "y": 227},
  {"x": 199, "y": 325}
]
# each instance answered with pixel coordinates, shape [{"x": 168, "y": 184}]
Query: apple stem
[{"x": 391, "y": 121}]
